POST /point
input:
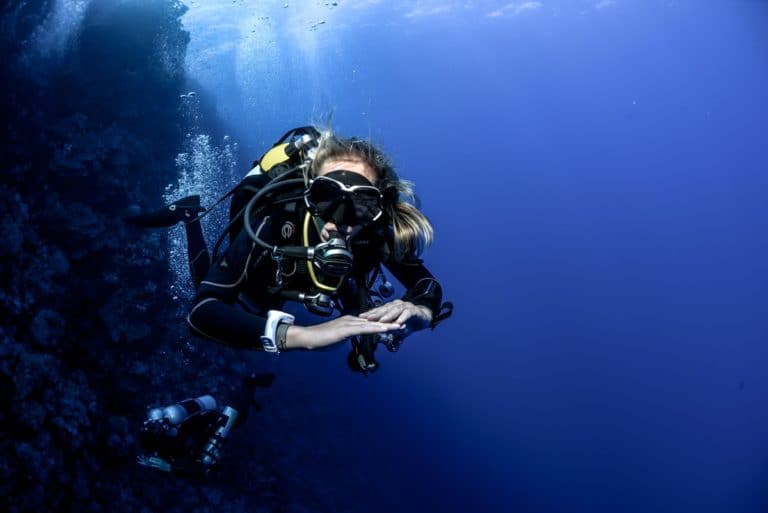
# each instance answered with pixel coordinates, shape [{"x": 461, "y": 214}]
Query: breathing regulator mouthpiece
[{"x": 332, "y": 257}]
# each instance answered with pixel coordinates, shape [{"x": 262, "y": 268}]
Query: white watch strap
[{"x": 274, "y": 317}]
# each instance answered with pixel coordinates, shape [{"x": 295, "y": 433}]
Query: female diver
[{"x": 319, "y": 238}]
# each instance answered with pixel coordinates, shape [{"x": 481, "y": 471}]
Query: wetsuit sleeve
[
  {"x": 421, "y": 287},
  {"x": 215, "y": 314}
]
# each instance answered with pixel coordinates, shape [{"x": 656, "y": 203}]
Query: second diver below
[{"x": 313, "y": 222}]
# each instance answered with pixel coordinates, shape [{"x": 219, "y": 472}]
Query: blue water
[
  {"x": 597, "y": 173},
  {"x": 597, "y": 179}
]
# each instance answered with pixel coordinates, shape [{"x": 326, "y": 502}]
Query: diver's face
[{"x": 355, "y": 166}]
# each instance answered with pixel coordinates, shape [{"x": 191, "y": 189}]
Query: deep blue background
[{"x": 598, "y": 187}]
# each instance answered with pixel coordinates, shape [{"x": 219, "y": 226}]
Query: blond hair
[{"x": 413, "y": 232}]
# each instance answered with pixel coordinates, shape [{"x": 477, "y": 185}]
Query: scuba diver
[
  {"x": 186, "y": 438},
  {"x": 314, "y": 221}
]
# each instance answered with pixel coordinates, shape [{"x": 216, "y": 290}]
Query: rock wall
[{"x": 88, "y": 335}]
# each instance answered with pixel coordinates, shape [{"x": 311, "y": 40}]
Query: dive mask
[{"x": 344, "y": 197}]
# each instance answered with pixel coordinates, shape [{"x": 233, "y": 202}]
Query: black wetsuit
[{"x": 240, "y": 287}]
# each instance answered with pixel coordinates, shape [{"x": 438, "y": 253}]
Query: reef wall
[{"x": 88, "y": 334}]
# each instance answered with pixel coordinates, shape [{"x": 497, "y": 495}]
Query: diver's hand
[
  {"x": 404, "y": 313},
  {"x": 331, "y": 332}
]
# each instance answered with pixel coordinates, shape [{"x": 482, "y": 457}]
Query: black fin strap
[{"x": 441, "y": 316}]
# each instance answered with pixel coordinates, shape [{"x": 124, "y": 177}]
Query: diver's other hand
[
  {"x": 417, "y": 317},
  {"x": 331, "y": 332}
]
